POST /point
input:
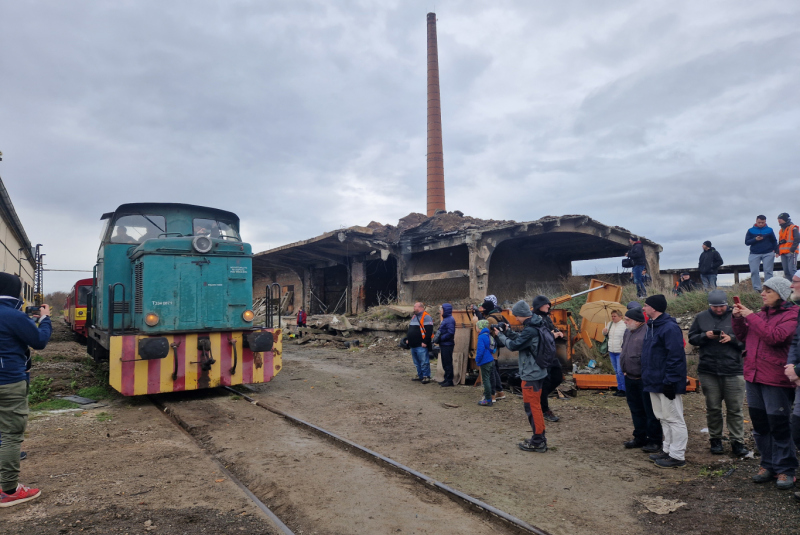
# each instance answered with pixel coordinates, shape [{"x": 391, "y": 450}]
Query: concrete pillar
[
  {"x": 358, "y": 280},
  {"x": 652, "y": 256},
  {"x": 403, "y": 289},
  {"x": 480, "y": 252}
]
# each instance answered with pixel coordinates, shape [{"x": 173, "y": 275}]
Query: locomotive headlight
[
  {"x": 248, "y": 315},
  {"x": 151, "y": 319},
  {"x": 202, "y": 244}
]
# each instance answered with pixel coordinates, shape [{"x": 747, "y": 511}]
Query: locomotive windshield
[
  {"x": 83, "y": 295},
  {"x": 215, "y": 229},
  {"x": 138, "y": 228}
]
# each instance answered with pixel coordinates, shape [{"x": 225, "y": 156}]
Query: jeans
[
  {"x": 638, "y": 280},
  {"x": 769, "y": 408},
  {"x": 646, "y": 427},
  {"x": 617, "y": 370},
  {"x": 421, "y": 361},
  {"x": 446, "y": 354},
  {"x": 755, "y": 260},
  {"x": 486, "y": 379},
  {"x": 670, "y": 413},
  {"x": 789, "y": 264},
  {"x": 554, "y": 378},
  {"x": 709, "y": 281},
  {"x": 13, "y": 422},
  {"x": 532, "y": 402},
  {"x": 730, "y": 389}
]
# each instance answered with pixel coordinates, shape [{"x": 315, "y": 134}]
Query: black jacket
[
  {"x": 710, "y": 262},
  {"x": 636, "y": 253},
  {"x": 716, "y": 358}
]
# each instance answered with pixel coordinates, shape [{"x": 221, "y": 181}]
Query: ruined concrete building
[{"x": 447, "y": 257}]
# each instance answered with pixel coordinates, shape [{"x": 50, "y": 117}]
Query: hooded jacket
[
  {"x": 767, "y": 335},
  {"x": 483, "y": 353},
  {"x": 710, "y": 262},
  {"x": 527, "y": 343},
  {"x": 663, "y": 357},
  {"x": 716, "y": 358},
  {"x": 636, "y": 253},
  {"x": 631, "y": 356},
  {"x": 17, "y": 333},
  {"x": 794, "y": 349},
  {"x": 769, "y": 243},
  {"x": 447, "y": 329}
]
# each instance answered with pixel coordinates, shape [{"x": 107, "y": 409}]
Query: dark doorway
[
  {"x": 381, "y": 284},
  {"x": 335, "y": 286}
]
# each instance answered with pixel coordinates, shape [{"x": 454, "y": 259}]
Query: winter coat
[
  {"x": 420, "y": 330},
  {"x": 788, "y": 238},
  {"x": 768, "y": 245},
  {"x": 663, "y": 357},
  {"x": 17, "y": 333},
  {"x": 636, "y": 253},
  {"x": 447, "y": 329},
  {"x": 483, "y": 353},
  {"x": 794, "y": 349},
  {"x": 767, "y": 335},
  {"x": 527, "y": 343},
  {"x": 710, "y": 262},
  {"x": 716, "y": 358},
  {"x": 631, "y": 356},
  {"x": 616, "y": 331},
  {"x": 301, "y": 317}
]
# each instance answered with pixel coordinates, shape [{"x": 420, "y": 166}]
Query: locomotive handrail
[
  {"x": 165, "y": 234},
  {"x": 111, "y": 301},
  {"x": 268, "y": 320}
]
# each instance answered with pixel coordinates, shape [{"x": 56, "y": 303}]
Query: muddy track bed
[{"x": 312, "y": 485}]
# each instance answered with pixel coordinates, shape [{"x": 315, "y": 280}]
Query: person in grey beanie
[
  {"x": 720, "y": 370},
  {"x": 527, "y": 343}
]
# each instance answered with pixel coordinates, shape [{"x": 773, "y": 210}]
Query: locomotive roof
[{"x": 138, "y": 207}]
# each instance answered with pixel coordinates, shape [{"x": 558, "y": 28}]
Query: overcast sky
[{"x": 675, "y": 119}]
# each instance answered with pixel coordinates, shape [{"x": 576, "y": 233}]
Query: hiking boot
[
  {"x": 716, "y": 446},
  {"x": 670, "y": 462},
  {"x": 417, "y": 379},
  {"x": 738, "y": 449},
  {"x": 619, "y": 394},
  {"x": 23, "y": 455},
  {"x": 550, "y": 417},
  {"x": 653, "y": 447},
  {"x": 426, "y": 380},
  {"x": 785, "y": 482},
  {"x": 634, "y": 443},
  {"x": 485, "y": 403},
  {"x": 527, "y": 446},
  {"x": 22, "y": 495},
  {"x": 763, "y": 476},
  {"x": 445, "y": 384},
  {"x": 500, "y": 397},
  {"x": 659, "y": 456}
]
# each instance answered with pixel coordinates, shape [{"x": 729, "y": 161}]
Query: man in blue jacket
[
  {"x": 763, "y": 248},
  {"x": 17, "y": 332},
  {"x": 664, "y": 377},
  {"x": 447, "y": 342}
]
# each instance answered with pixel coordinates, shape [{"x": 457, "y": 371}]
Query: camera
[
  {"x": 717, "y": 332},
  {"x": 32, "y": 310}
]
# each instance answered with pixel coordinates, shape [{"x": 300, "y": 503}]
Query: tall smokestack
[{"x": 435, "y": 159}]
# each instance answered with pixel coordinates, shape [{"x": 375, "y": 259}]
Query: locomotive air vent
[
  {"x": 137, "y": 292},
  {"x": 202, "y": 244}
]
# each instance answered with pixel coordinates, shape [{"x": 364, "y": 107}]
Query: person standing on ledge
[{"x": 763, "y": 246}]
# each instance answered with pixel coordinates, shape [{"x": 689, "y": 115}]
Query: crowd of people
[{"x": 742, "y": 353}]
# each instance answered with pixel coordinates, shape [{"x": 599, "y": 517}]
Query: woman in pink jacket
[{"x": 767, "y": 335}]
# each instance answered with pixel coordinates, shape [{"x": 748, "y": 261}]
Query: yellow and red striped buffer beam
[{"x": 182, "y": 369}]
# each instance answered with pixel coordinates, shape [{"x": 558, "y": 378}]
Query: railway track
[{"x": 305, "y": 486}]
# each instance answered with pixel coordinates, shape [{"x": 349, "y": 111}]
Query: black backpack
[{"x": 546, "y": 353}]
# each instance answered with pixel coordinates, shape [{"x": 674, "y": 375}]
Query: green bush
[
  {"x": 39, "y": 390},
  {"x": 95, "y": 392}
]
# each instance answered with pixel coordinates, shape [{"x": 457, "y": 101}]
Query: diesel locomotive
[
  {"x": 76, "y": 307},
  {"x": 171, "y": 304}
]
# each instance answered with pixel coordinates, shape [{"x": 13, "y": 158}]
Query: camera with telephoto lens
[{"x": 31, "y": 310}]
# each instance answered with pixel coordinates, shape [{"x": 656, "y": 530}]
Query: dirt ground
[{"x": 115, "y": 468}]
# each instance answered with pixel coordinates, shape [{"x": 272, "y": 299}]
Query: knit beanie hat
[
  {"x": 634, "y": 304},
  {"x": 717, "y": 298},
  {"x": 635, "y": 314},
  {"x": 483, "y": 324},
  {"x": 489, "y": 303},
  {"x": 784, "y": 216},
  {"x": 10, "y": 285},
  {"x": 658, "y": 302},
  {"x": 521, "y": 309},
  {"x": 780, "y": 286},
  {"x": 707, "y": 243}
]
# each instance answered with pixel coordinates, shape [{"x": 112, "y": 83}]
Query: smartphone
[
  {"x": 736, "y": 300},
  {"x": 717, "y": 332}
]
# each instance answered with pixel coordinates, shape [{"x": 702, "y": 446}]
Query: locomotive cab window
[
  {"x": 83, "y": 295},
  {"x": 215, "y": 229},
  {"x": 133, "y": 229}
]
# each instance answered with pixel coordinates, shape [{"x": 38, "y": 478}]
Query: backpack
[{"x": 546, "y": 353}]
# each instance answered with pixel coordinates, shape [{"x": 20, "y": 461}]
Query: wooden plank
[{"x": 454, "y": 274}]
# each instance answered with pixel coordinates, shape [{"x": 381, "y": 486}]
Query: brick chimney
[{"x": 435, "y": 159}]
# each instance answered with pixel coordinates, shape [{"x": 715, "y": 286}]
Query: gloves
[{"x": 669, "y": 391}]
